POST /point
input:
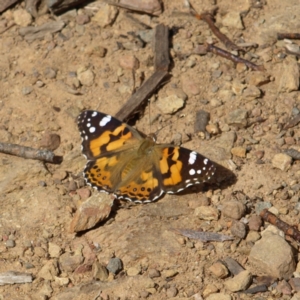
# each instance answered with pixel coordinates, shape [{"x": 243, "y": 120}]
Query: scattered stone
[
  {"x": 134, "y": 271},
  {"x": 238, "y": 118},
  {"x": 251, "y": 92},
  {"x": 258, "y": 79},
  {"x": 233, "y": 209},
  {"x": 239, "y": 151},
  {"x": 172, "y": 292},
  {"x": 255, "y": 223},
  {"x": 233, "y": 19},
  {"x": 99, "y": 272},
  {"x": 82, "y": 19},
  {"x": 54, "y": 250},
  {"x": 282, "y": 161},
  {"x": 50, "y": 141},
  {"x": 86, "y": 77},
  {"x": 69, "y": 262},
  {"x": 239, "y": 282},
  {"x": 238, "y": 87},
  {"x": 49, "y": 270},
  {"x": 253, "y": 236},
  {"x": 233, "y": 266},
  {"x": 238, "y": 229},
  {"x": 219, "y": 270},
  {"x": 208, "y": 213},
  {"x": 61, "y": 281},
  {"x": 50, "y": 73},
  {"x": 209, "y": 289},
  {"x": 153, "y": 273},
  {"x": 84, "y": 193},
  {"x": 289, "y": 76},
  {"x": 218, "y": 296},
  {"x": 26, "y": 90},
  {"x": 190, "y": 86},
  {"x": 106, "y": 15},
  {"x": 169, "y": 104},
  {"x": 202, "y": 119},
  {"x": 273, "y": 256},
  {"x": 283, "y": 288},
  {"x": 94, "y": 210},
  {"x": 22, "y": 17},
  {"x": 295, "y": 284},
  {"x": 129, "y": 62},
  {"x": 115, "y": 265},
  {"x": 261, "y": 206},
  {"x": 169, "y": 273},
  {"x": 10, "y": 243}
]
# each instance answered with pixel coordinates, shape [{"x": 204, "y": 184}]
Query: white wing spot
[
  {"x": 86, "y": 137},
  {"x": 94, "y": 114},
  {"x": 92, "y": 129},
  {"x": 192, "y": 158},
  {"x": 188, "y": 180},
  {"x": 203, "y": 168},
  {"x": 88, "y": 125},
  {"x": 198, "y": 171},
  {"x": 104, "y": 121},
  {"x": 205, "y": 161},
  {"x": 192, "y": 172}
]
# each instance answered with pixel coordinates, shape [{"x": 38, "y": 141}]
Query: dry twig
[
  {"x": 291, "y": 36},
  {"x": 285, "y": 227},
  {"x": 28, "y": 152}
]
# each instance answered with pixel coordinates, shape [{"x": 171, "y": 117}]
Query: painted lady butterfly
[{"x": 123, "y": 162}]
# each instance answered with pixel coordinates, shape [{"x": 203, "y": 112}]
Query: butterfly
[{"x": 132, "y": 166}]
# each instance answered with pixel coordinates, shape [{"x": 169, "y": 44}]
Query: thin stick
[
  {"x": 232, "y": 57},
  {"x": 291, "y": 36},
  {"x": 285, "y": 227},
  {"x": 28, "y": 152}
]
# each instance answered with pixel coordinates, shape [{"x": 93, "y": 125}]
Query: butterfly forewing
[
  {"x": 181, "y": 167},
  {"x": 102, "y": 134}
]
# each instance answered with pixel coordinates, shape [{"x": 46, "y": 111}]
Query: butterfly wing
[
  {"x": 181, "y": 168},
  {"x": 105, "y": 142}
]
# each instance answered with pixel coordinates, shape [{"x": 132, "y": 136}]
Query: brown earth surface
[{"x": 38, "y": 201}]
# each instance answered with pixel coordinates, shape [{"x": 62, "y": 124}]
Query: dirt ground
[{"x": 46, "y": 83}]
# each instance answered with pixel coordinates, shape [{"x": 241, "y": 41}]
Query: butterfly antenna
[{"x": 149, "y": 101}]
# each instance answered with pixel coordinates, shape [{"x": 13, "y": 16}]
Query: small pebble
[
  {"x": 10, "y": 243},
  {"x": 114, "y": 265},
  {"x": 27, "y": 90}
]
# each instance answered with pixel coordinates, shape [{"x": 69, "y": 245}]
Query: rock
[
  {"x": 54, "y": 250},
  {"x": 238, "y": 229},
  {"x": 253, "y": 236},
  {"x": 115, "y": 265},
  {"x": 295, "y": 283},
  {"x": 238, "y": 118},
  {"x": 255, "y": 222},
  {"x": 50, "y": 141},
  {"x": 99, "y": 272},
  {"x": 190, "y": 86},
  {"x": 106, "y": 15},
  {"x": 171, "y": 292},
  {"x": 219, "y": 270},
  {"x": 10, "y": 243},
  {"x": 94, "y": 210},
  {"x": 239, "y": 282},
  {"x": 69, "y": 262},
  {"x": 207, "y": 213},
  {"x": 239, "y": 151},
  {"x": 49, "y": 270},
  {"x": 233, "y": 209},
  {"x": 50, "y": 73},
  {"x": 84, "y": 193},
  {"x": 258, "y": 78},
  {"x": 282, "y": 161},
  {"x": 209, "y": 289},
  {"x": 134, "y": 271},
  {"x": 251, "y": 92},
  {"x": 202, "y": 119},
  {"x": 129, "y": 62},
  {"x": 296, "y": 296},
  {"x": 153, "y": 273},
  {"x": 212, "y": 129},
  {"x": 289, "y": 76},
  {"x": 22, "y": 17},
  {"x": 82, "y": 19},
  {"x": 273, "y": 256},
  {"x": 283, "y": 288},
  {"x": 238, "y": 87},
  {"x": 233, "y": 266},
  {"x": 169, "y": 104},
  {"x": 218, "y": 296},
  {"x": 86, "y": 77},
  {"x": 26, "y": 90},
  {"x": 61, "y": 281},
  {"x": 221, "y": 148},
  {"x": 233, "y": 19},
  {"x": 169, "y": 273}
]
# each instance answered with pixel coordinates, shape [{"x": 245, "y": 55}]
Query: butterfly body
[{"x": 133, "y": 167}]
